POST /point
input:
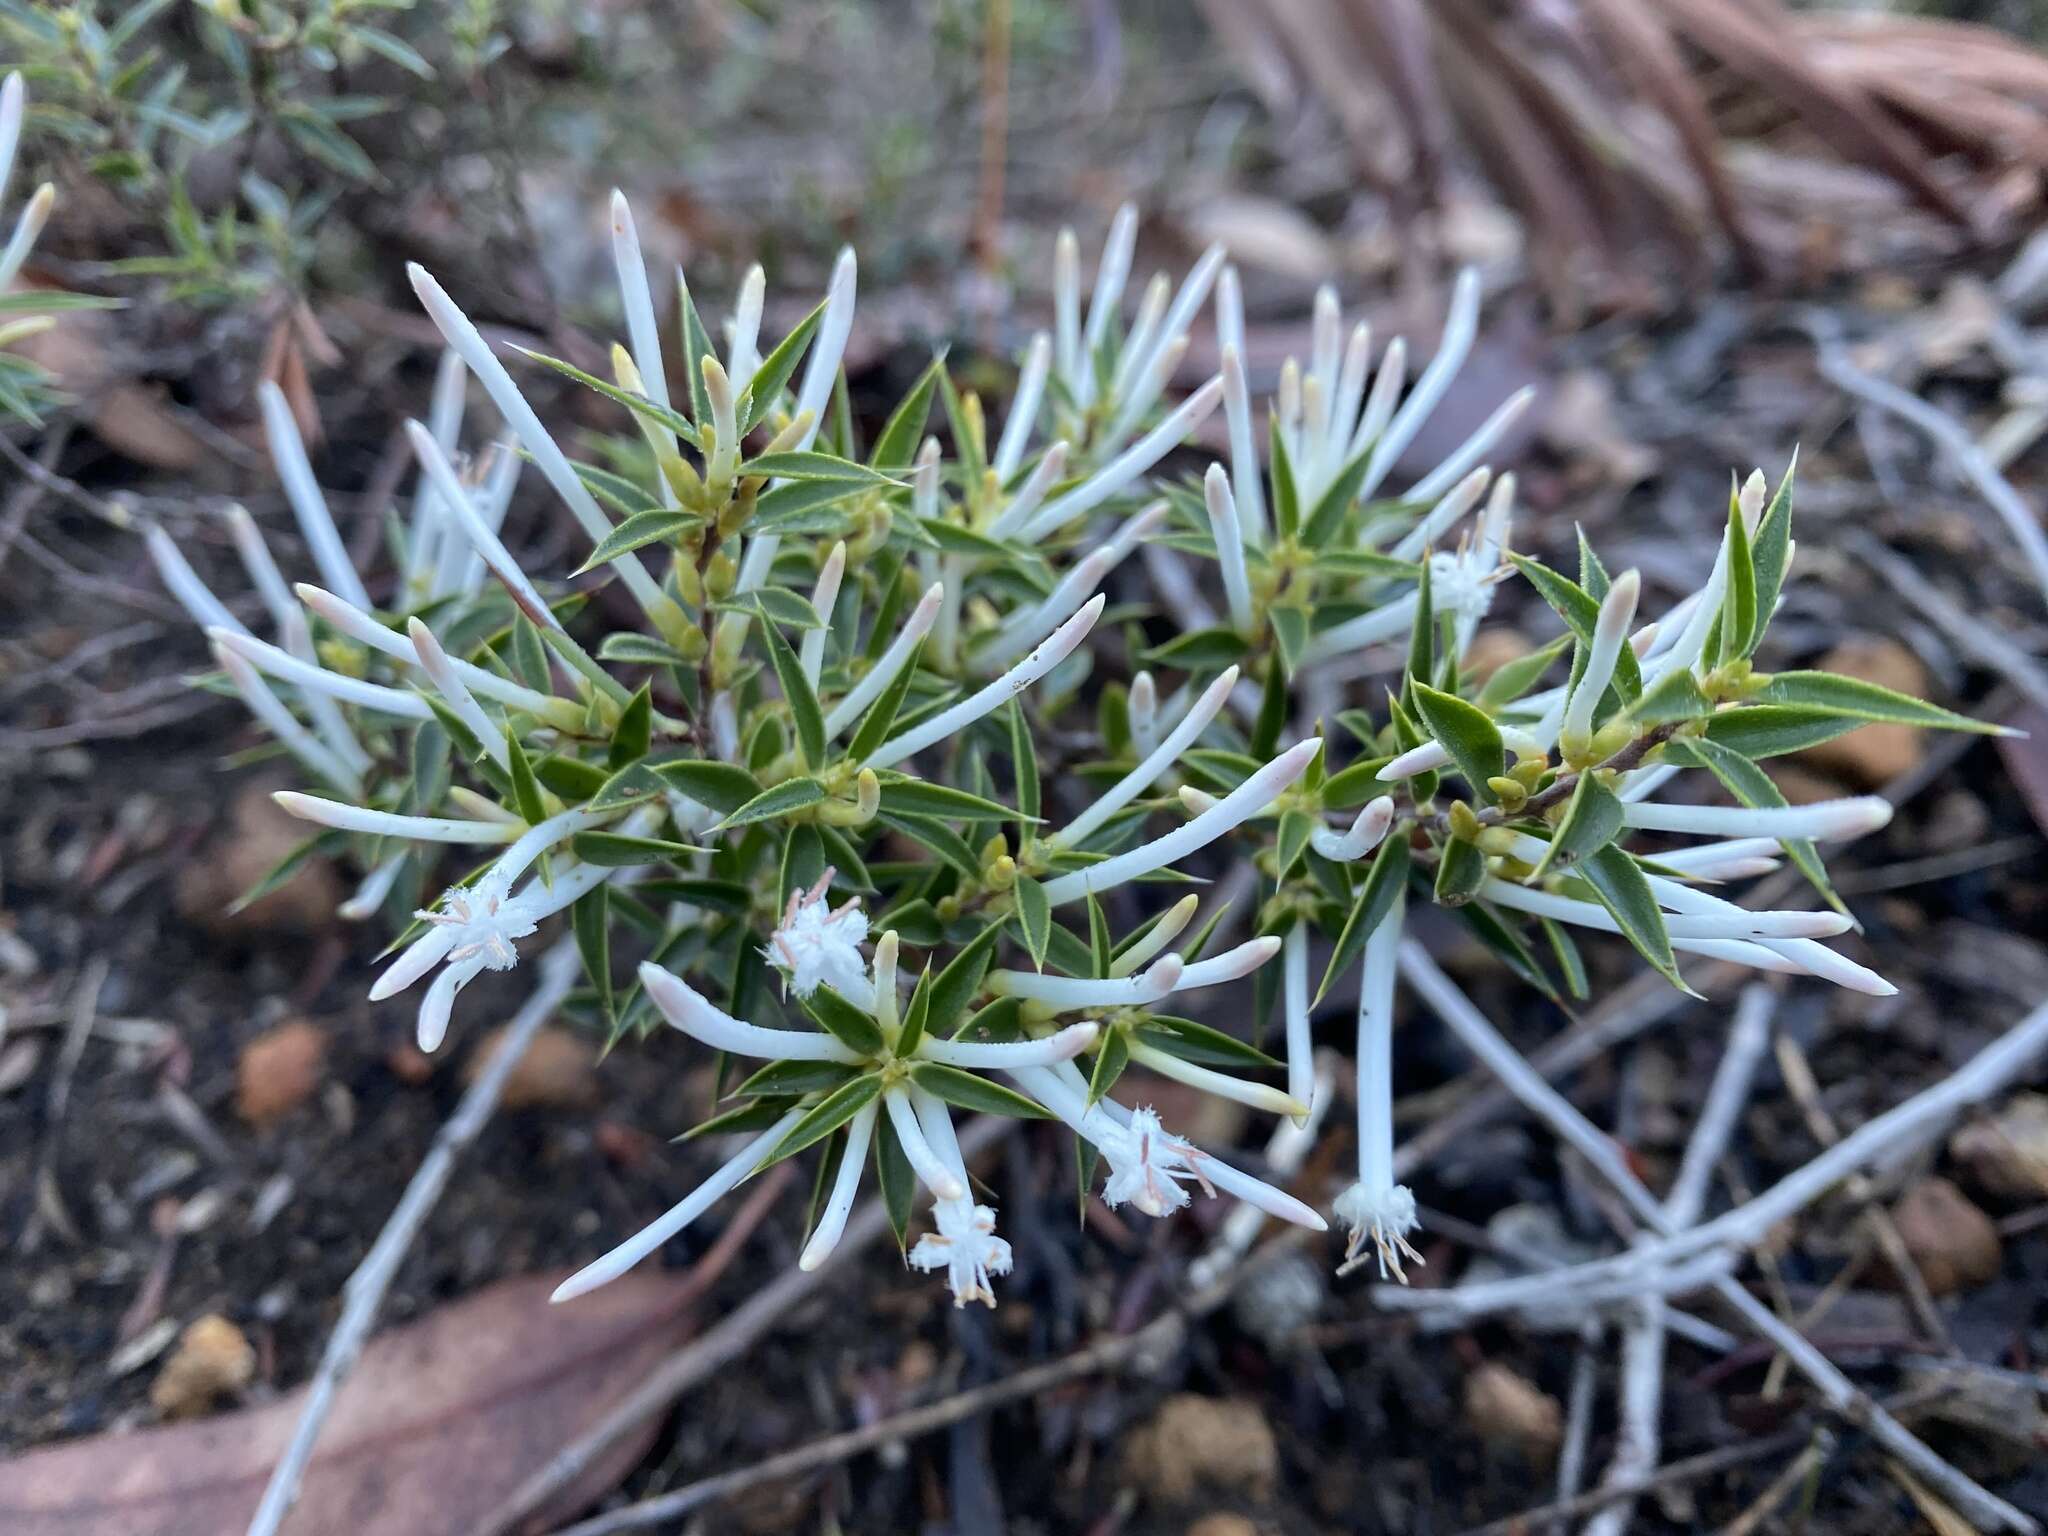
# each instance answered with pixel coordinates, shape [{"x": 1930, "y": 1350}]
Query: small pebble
[
  {"x": 279, "y": 1071},
  {"x": 212, "y": 1361}
]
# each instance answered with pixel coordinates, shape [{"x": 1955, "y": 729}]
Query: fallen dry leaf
[{"x": 440, "y": 1422}]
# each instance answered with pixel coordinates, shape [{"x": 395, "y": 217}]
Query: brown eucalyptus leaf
[{"x": 440, "y": 1421}]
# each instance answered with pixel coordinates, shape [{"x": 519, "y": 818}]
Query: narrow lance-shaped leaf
[
  {"x": 1466, "y": 732},
  {"x": 1034, "y": 918},
  {"x": 802, "y": 700},
  {"x": 1592, "y": 819},
  {"x": 964, "y": 1090},
  {"x": 1384, "y": 882},
  {"x": 1624, "y": 891},
  {"x": 825, "y": 1117}
]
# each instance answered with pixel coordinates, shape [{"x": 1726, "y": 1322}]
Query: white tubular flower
[
  {"x": 288, "y": 453},
  {"x": 304, "y": 674},
  {"x": 1008, "y": 1055},
  {"x": 845, "y": 1186},
  {"x": 359, "y": 626},
  {"x": 1052, "y": 464},
  {"x": 1713, "y": 861},
  {"x": 1156, "y": 761},
  {"x": 1370, "y": 628},
  {"x": 1260, "y": 1096},
  {"x": 1386, "y": 394},
  {"x": 686, "y": 1009},
  {"x": 447, "y": 682},
  {"x": 1233, "y": 810},
  {"x": 370, "y": 894},
  {"x": 1050, "y": 652},
  {"x": 1026, "y": 628},
  {"x": 638, "y": 302},
  {"x": 924, "y": 1160},
  {"x": 1368, "y": 831},
  {"x": 1143, "y": 712},
  {"x": 1440, "y": 519},
  {"x": 1147, "y": 1165},
  {"x": 258, "y": 562},
  {"x": 429, "y": 552},
  {"x": 725, "y": 430},
  {"x": 460, "y": 507},
  {"x": 1461, "y": 325},
  {"x": 1474, "y": 448},
  {"x": 815, "y": 945},
  {"x": 1610, "y": 631},
  {"x": 1231, "y": 965},
  {"x": 1376, "y": 1209},
  {"x": 650, "y": 1237},
  {"x": 419, "y": 829},
  {"x": 965, "y": 1247},
  {"x": 1066, "y": 304},
  {"x": 281, "y": 723},
  {"x": 1229, "y": 536},
  {"x": 1716, "y": 919},
  {"x": 743, "y": 353},
  {"x": 1127, "y": 466},
  {"x": 1063, "y": 992},
  {"x": 1111, "y": 273},
  {"x": 1244, "y": 453},
  {"x": 457, "y": 330},
  {"x": 823, "y": 597},
  {"x": 1823, "y": 820},
  {"x": 1301, "y": 1067},
  {"x": 1023, "y": 409},
  {"x": 183, "y": 583},
  {"x": 821, "y": 369},
  {"x": 892, "y": 661},
  {"x": 1162, "y": 933}
]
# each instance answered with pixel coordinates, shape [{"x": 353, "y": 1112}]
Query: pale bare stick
[{"x": 363, "y": 1295}]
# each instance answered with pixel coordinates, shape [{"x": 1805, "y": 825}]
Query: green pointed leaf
[
  {"x": 616, "y": 850},
  {"x": 897, "y": 446},
  {"x": 636, "y": 532},
  {"x": 631, "y": 785},
  {"x": 918, "y": 797},
  {"x": 1569, "y": 961},
  {"x": 1738, "y": 607},
  {"x": 964, "y": 1090},
  {"x": 1275, "y": 704},
  {"x": 1291, "y": 841},
  {"x": 773, "y": 372},
  {"x": 774, "y": 605},
  {"x": 895, "y": 1178},
  {"x": 1100, "y": 955},
  {"x": 637, "y": 403},
  {"x": 1034, "y": 918},
  {"x": 640, "y": 651},
  {"x": 1376, "y": 896},
  {"x": 1024, "y": 764},
  {"x": 1771, "y": 730},
  {"x": 1112, "y": 1055},
  {"x": 1286, "y": 498},
  {"x": 1580, "y": 611},
  {"x": 1515, "y": 678},
  {"x": 1592, "y": 820},
  {"x": 1202, "y": 1044},
  {"x": 635, "y": 730},
  {"x": 802, "y": 699},
  {"x": 572, "y": 779},
  {"x": 785, "y": 799},
  {"x": 1422, "y": 634},
  {"x": 1770, "y": 553},
  {"x": 874, "y": 726},
  {"x": 590, "y": 918},
  {"x": 1867, "y": 701},
  {"x": 1467, "y": 733},
  {"x": 1328, "y": 516},
  {"x": 811, "y": 466},
  {"x": 916, "y": 1015},
  {"x": 960, "y": 981},
  {"x": 724, "y": 787},
  {"x": 696, "y": 347},
  {"x": 825, "y": 1117},
  {"x": 1290, "y": 632},
  {"x": 1622, "y": 888},
  {"x": 757, "y": 1116},
  {"x": 1460, "y": 871},
  {"x": 1673, "y": 698},
  {"x": 1203, "y": 650},
  {"x": 787, "y": 1079},
  {"x": 852, "y": 1028}
]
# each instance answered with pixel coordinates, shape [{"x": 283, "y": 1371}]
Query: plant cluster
[{"x": 833, "y": 805}]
